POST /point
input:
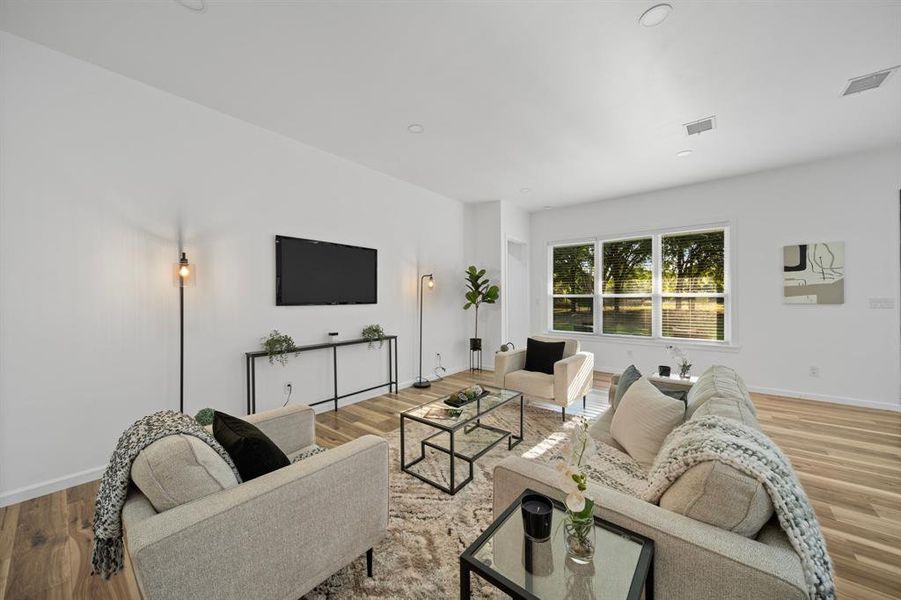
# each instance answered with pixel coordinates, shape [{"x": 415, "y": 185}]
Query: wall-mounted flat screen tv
[{"x": 313, "y": 272}]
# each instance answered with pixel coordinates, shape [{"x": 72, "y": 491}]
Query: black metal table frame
[
  {"x": 642, "y": 579},
  {"x": 453, "y": 489},
  {"x": 250, "y": 366}
]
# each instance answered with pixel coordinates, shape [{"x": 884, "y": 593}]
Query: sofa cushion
[
  {"x": 599, "y": 430},
  {"x": 718, "y": 494},
  {"x": 251, "y": 450},
  {"x": 531, "y": 383},
  {"x": 178, "y": 469},
  {"x": 629, "y": 376},
  {"x": 717, "y": 381},
  {"x": 541, "y": 356},
  {"x": 731, "y": 408},
  {"x": 644, "y": 417}
]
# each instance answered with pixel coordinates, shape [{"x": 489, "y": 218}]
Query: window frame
[
  {"x": 599, "y": 325},
  {"x": 552, "y": 296},
  {"x": 657, "y": 294}
]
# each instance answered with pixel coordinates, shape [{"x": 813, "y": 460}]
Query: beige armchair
[
  {"x": 572, "y": 378},
  {"x": 274, "y": 537}
]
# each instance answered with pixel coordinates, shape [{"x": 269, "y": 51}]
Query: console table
[{"x": 250, "y": 365}]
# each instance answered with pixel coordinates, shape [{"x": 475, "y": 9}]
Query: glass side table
[{"x": 526, "y": 570}]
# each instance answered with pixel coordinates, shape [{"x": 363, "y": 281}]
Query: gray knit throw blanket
[
  {"x": 750, "y": 451},
  {"x": 106, "y": 556}
]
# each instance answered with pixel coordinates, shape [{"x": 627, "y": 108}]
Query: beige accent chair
[
  {"x": 714, "y": 534},
  {"x": 274, "y": 537},
  {"x": 572, "y": 378}
]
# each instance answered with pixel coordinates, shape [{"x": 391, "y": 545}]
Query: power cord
[{"x": 290, "y": 389}]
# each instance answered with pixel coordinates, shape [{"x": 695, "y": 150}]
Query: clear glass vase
[{"x": 580, "y": 538}]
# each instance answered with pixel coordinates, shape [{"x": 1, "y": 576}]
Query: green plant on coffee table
[
  {"x": 205, "y": 416},
  {"x": 374, "y": 333},
  {"x": 479, "y": 291},
  {"x": 278, "y": 345}
]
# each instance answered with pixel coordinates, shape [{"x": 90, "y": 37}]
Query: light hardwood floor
[{"x": 848, "y": 459}]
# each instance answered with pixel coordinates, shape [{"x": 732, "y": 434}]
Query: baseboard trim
[
  {"x": 800, "y": 395},
  {"x": 48, "y": 487},
  {"x": 827, "y": 398}
]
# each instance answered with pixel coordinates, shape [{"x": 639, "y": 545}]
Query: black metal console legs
[{"x": 369, "y": 563}]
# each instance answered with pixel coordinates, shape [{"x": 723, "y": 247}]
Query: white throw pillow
[
  {"x": 178, "y": 469},
  {"x": 644, "y": 417}
]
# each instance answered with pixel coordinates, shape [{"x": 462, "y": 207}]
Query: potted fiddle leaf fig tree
[{"x": 479, "y": 290}]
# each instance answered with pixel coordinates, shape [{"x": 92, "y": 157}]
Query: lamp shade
[{"x": 184, "y": 273}]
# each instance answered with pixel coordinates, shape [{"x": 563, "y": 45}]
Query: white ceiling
[{"x": 574, "y": 100}]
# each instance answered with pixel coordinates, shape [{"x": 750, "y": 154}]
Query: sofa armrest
[
  {"x": 573, "y": 377},
  {"x": 274, "y": 537},
  {"x": 724, "y": 564},
  {"x": 507, "y": 362},
  {"x": 291, "y": 428}
]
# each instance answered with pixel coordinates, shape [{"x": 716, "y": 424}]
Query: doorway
[{"x": 516, "y": 280}]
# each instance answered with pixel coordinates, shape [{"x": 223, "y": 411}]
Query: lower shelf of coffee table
[{"x": 470, "y": 442}]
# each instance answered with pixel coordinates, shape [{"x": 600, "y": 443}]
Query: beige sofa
[
  {"x": 274, "y": 537},
  {"x": 707, "y": 542},
  {"x": 572, "y": 378}
]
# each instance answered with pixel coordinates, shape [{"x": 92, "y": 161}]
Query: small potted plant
[
  {"x": 478, "y": 291},
  {"x": 681, "y": 360},
  {"x": 374, "y": 333},
  {"x": 278, "y": 346}
]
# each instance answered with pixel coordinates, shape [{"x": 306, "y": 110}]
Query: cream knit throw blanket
[
  {"x": 750, "y": 451},
  {"x": 106, "y": 554}
]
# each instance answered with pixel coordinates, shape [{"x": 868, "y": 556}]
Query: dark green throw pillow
[
  {"x": 629, "y": 376},
  {"x": 252, "y": 451}
]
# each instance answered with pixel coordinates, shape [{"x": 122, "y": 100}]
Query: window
[
  {"x": 627, "y": 286},
  {"x": 693, "y": 295},
  {"x": 573, "y": 288},
  {"x": 666, "y": 285}
]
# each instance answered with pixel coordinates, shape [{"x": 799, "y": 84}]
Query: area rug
[{"x": 428, "y": 529}]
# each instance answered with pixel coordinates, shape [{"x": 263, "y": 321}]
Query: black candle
[{"x": 537, "y": 512}]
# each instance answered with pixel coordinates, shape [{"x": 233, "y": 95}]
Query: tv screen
[{"x": 313, "y": 272}]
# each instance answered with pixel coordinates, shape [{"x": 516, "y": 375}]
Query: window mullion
[
  {"x": 657, "y": 289},
  {"x": 598, "y": 287}
]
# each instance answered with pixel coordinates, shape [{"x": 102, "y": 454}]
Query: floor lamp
[
  {"x": 184, "y": 276},
  {"x": 420, "y": 381}
]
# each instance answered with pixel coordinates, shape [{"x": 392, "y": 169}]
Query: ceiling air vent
[
  {"x": 699, "y": 127},
  {"x": 867, "y": 82}
]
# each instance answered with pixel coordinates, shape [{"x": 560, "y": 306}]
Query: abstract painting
[{"x": 814, "y": 273}]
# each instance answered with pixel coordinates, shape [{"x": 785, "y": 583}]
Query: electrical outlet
[{"x": 814, "y": 371}]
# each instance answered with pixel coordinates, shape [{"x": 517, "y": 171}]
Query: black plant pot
[{"x": 475, "y": 344}]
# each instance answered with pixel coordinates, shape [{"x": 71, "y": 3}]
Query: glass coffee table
[
  {"x": 621, "y": 568},
  {"x": 460, "y": 434}
]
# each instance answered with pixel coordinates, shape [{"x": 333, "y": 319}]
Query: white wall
[
  {"x": 99, "y": 174},
  {"x": 854, "y": 199},
  {"x": 483, "y": 249}
]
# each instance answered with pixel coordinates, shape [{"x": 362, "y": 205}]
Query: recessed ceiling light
[
  {"x": 415, "y": 128},
  {"x": 547, "y": 208},
  {"x": 525, "y": 190},
  {"x": 655, "y": 15},
  {"x": 684, "y": 153}
]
